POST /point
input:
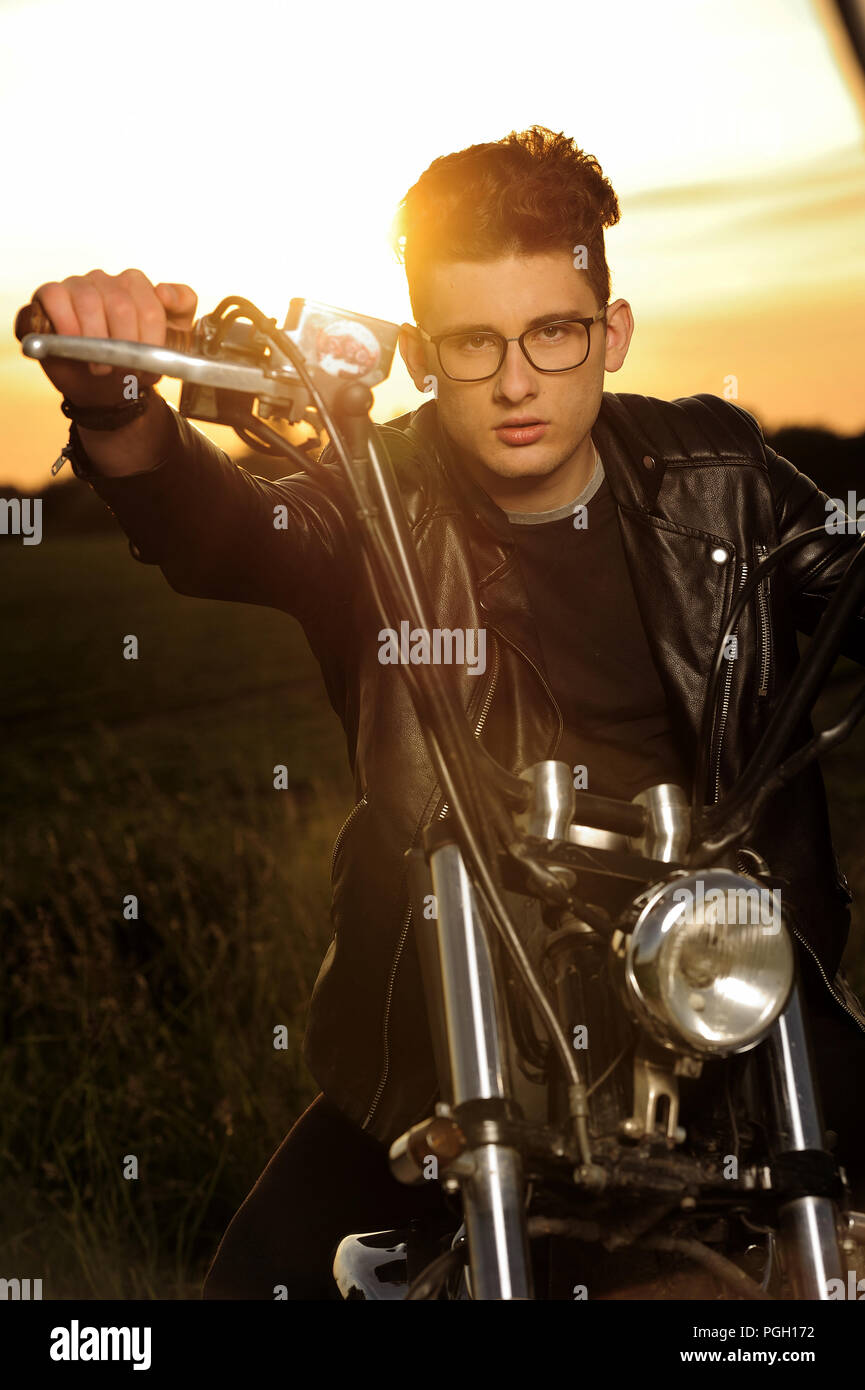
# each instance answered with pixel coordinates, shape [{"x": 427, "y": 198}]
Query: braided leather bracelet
[{"x": 112, "y": 417}]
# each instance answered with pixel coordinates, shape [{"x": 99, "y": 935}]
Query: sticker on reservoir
[{"x": 342, "y": 343}]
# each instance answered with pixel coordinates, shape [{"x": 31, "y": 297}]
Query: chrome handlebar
[{"x": 279, "y": 386}]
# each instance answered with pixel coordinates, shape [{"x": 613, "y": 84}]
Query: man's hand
[
  {"x": 98, "y": 305},
  {"x": 126, "y": 306}
]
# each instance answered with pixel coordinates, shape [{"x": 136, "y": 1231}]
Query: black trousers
[{"x": 329, "y": 1178}]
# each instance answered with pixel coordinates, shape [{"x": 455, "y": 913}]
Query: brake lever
[
  {"x": 216, "y": 356},
  {"x": 279, "y": 386}
]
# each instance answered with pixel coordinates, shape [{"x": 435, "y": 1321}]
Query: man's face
[{"x": 507, "y": 294}]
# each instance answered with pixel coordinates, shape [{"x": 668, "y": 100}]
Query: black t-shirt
[{"x": 597, "y": 658}]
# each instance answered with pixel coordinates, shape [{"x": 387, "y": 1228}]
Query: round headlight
[{"x": 709, "y": 962}]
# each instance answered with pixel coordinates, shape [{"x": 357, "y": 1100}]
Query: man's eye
[{"x": 473, "y": 342}]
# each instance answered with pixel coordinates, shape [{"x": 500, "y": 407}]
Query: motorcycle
[{"x": 625, "y": 1072}]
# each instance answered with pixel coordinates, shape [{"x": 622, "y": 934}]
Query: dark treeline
[{"x": 835, "y": 462}]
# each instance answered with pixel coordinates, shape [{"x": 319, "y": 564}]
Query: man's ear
[
  {"x": 619, "y": 331},
  {"x": 413, "y": 353}
]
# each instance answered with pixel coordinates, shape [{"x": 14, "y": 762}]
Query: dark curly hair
[{"x": 533, "y": 191}]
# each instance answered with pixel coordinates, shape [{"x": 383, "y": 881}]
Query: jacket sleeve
[
  {"x": 217, "y": 531},
  {"x": 814, "y": 568}
]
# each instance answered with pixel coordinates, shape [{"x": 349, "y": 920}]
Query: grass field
[
  {"x": 150, "y": 1037},
  {"x": 153, "y": 1037}
]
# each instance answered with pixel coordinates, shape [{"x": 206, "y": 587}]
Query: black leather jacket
[{"x": 699, "y": 494}]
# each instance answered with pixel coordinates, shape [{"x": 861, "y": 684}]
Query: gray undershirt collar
[{"x": 588, "y": 492}]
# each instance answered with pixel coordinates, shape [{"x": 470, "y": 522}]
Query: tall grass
[{"x": 151, "y": 1037}]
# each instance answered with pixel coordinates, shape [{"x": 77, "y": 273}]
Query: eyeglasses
[{"x": 554, "y": 347}]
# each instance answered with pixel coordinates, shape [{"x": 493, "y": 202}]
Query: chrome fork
[
  {"x": 491, "y": 1176},
  {"x": 809, "y": 1224}
]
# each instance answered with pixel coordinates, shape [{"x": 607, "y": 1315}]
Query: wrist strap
[
  {"x": 112, "y": 417},
  {"x": 73, "y": 454}
]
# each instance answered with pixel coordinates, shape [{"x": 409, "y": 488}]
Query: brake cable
[{"x": 449, "y": 742}]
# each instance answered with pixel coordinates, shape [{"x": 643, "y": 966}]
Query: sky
[{"x": 261, "y": 149}]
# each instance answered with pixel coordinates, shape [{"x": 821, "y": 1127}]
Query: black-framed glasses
[{"x": 553, "y": 347}]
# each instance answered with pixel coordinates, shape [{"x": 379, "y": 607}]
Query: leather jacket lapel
[{"x": 500, "y": 589}]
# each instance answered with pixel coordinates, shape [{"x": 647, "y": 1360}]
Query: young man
[{"x": 596, "y": 539}]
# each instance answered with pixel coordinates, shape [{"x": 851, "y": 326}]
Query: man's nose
[{"x": 516, "y": 377}]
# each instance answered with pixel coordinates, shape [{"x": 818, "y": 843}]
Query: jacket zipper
[
  {"x": 725, "y": 700},
  {"x": 406, "y": 921},
  {"x": 764, "y": 614},
  {"x": 828, "y": 983},
  {"x": 765, "y": 633},
  {"x": 343, "y": 828}
]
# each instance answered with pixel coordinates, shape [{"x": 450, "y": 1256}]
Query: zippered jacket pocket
[
  {"x": 763, "y": 599},
  {"x": 349, "y": 820}
]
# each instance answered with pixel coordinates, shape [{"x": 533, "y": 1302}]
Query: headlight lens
[{"x": 709, "y": 962}]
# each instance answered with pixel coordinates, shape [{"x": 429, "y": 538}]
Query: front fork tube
[
  {"x": 493, "y": 1192},
  {"x": 809, "y": 1225}
]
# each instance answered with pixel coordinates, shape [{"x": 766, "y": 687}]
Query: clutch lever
[{"x": 279, "y": 386}]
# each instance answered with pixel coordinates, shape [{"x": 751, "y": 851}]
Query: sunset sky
[{"x": 261, "y": 149}]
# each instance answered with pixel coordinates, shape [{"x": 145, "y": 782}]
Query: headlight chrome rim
[{"x": 675, "y": 957}]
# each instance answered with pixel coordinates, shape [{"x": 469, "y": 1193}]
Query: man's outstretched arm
[{"x": 215, "y": 530}]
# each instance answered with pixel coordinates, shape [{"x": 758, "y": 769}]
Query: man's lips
[{"x": 521, "y": 430}]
